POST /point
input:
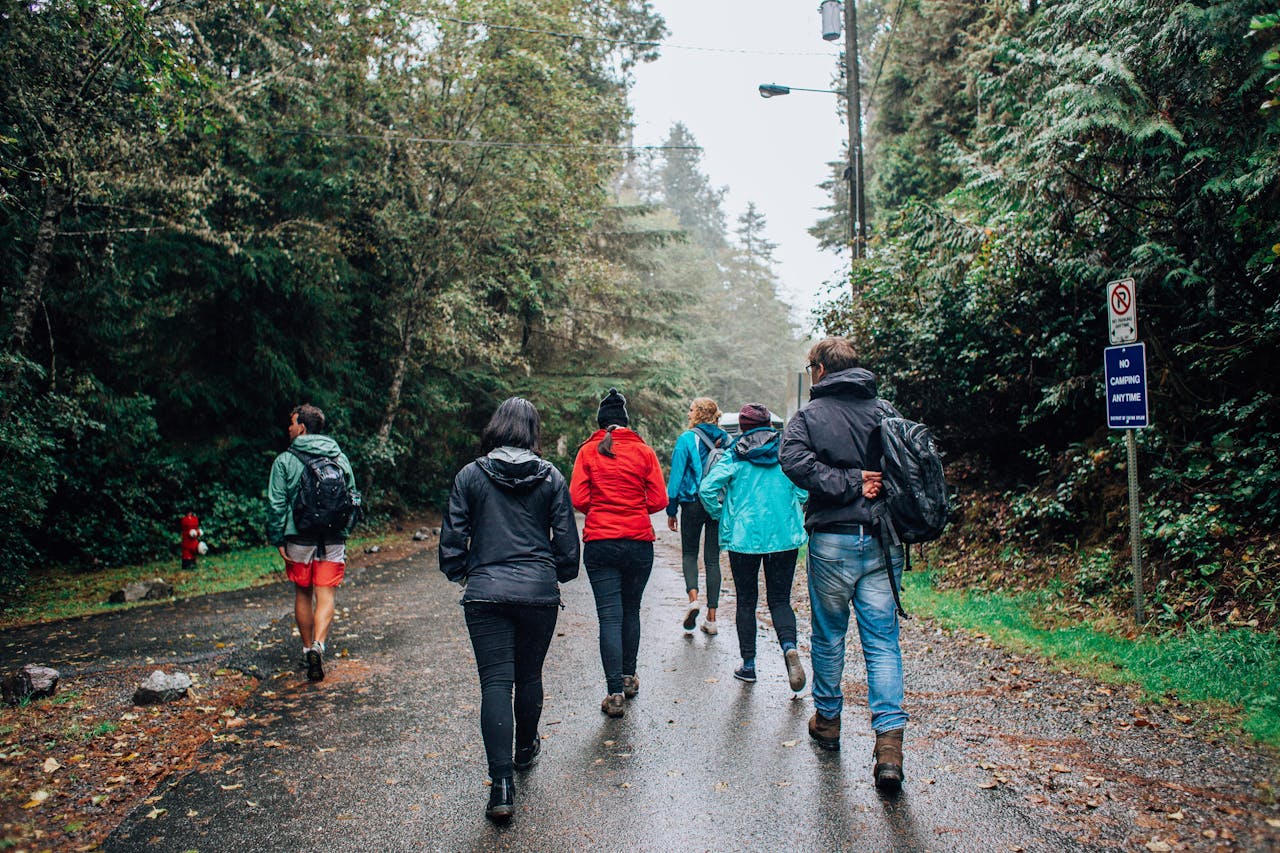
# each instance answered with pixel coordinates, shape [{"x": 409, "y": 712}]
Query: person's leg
[
  {"x": 878, "y": 631},
  {"x": 493, "y": 637},
  {"x": 304, "y": 614},
  {"x": 535, "y": 626},
  {"x": 328, "y": 570},
  {"x": 691, "y": 516},
  {"x": 779, "y": 573},
  {"x": 829, "y": 596},
  {"x": 746, "y": 569},
  {"x": 711, "y": 560},
  {"x": 637, "y": 565},
  {"x": 600, "y": 560}
]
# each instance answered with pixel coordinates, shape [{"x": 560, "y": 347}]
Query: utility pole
[{"x": 853, "y": 85}]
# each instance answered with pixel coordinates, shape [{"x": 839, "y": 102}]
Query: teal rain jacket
[
  {"x": 759, "y": 509},
  {"x": 686, "y": 464}
]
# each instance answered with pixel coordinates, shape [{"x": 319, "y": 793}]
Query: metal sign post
[{"x": 1125, "y": 369}]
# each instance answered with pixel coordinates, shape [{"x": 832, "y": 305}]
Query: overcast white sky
[{"x": 773, "y": 152}]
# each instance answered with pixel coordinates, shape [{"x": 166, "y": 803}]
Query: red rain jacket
[{"x": 618, "y": 495}]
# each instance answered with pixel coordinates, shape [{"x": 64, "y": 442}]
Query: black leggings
[
  {"x": 694, "y": 521},
  {"x": 779, "y": 572},
  {"x": 510, "y": 642}
]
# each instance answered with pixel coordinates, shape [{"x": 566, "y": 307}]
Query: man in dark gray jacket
[{"x": 831, "y": 448}]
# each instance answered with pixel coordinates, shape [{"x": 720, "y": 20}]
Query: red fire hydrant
[{"x": 192, "y": 547}]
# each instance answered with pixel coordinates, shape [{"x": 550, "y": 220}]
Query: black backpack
[
  {"x": 915, "y": 489},
  {"x": 324, "y": 507},
  {"x": 916, "y": 506}
]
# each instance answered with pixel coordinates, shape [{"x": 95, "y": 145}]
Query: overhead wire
[
  {"x": 888, "y": 44},
  {"x": 479, "y": 143}
]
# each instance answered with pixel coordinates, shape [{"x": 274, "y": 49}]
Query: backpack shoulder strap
[
  {"x": 702, "y": 436},
  {"x": 301, "y": 455}
]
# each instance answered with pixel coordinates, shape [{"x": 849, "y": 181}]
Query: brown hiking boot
[
  {"x": 630, "y": 686},
  {"x": 888, "y": 761},
  {"x": 612, "y": 705},
  {"x": 825, "y": 730}
]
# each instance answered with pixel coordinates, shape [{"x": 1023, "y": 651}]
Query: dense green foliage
[
  {"x": 1021, "y": 159},
  {"x": 402, "y": 212}
]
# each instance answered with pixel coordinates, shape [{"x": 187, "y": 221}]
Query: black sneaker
[
  {"x": 315, "y": 665},
  {"x": 527, "y": 756},
  {"x": 744, "y": 673}
]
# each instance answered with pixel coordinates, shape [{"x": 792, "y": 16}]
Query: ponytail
[{"x": 606, "y": 443}]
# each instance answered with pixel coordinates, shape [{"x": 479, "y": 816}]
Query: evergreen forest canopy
[
  {"x": 402, "y": 212},
  {"x": 1022, "y": 155}
]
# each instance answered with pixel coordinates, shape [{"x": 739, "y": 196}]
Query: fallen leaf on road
[
  {"x": 790, "y": 743},
  {"x": 989, "y": 784},
  {"x": 1273, "y": 822},
  {"x": 1061, "y": 768},
  {"x": 720, "y": 787},
  {"x": 51, "y": 764},
  {"x": 155, "y": 813},
  {"x": 251, "y": 804},
  {"x": 272, "y": 744},
  {"x": 1178, "y": 815},
  {"x": 1157, "y": 846},
  {"x": 625, "y": 785},
  {"x": 674, "y": 773},
  {"x": 1182, "y": 718},
  {"x": 783, "y": 783},
  {"x": 234, "y": 787},
  {"x": 36, "y": 799},
  {"x": 712, "y": 680},
  {"x": 326, "y": 749},
  {"x": 927, "y": 781}
]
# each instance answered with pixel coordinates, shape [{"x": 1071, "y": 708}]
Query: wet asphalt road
[{"x": 1002, "y": 753}]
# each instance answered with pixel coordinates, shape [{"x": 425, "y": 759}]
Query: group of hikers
[{"x": 509, "y": 538}]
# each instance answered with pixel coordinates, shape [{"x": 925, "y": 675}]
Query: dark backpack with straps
[
  {"x": 915, "y": 506},
  {"x": 324, "y": 507}
]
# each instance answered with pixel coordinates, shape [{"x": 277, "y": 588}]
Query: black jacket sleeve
[
  {"x": 455, "y": 531},
  {"x": 564, "y": 531},
  {"x": 800, "y": 463}
]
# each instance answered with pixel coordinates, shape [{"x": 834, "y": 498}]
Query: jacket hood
[
  {"x": 515, "y": 469},
  {"x": 316, "y": 445},
  {"x": 713, "y": 432},
  {"x": 852, "y": 382},
  {"x": 758, "y": 446}
]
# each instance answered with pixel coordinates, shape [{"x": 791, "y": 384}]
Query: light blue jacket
[
  {"x": 686, "y": 465},
  {"x": 758, "y": 508}
]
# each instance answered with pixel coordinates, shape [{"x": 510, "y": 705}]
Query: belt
[{"x": 849, "y": 527}]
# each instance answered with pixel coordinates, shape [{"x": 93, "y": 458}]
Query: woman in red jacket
[{"x": 617, "y": 483}]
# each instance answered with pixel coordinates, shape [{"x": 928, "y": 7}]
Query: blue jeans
[
  {"x": 845, "y": 568},
  {"x": 618, "y": 570}
]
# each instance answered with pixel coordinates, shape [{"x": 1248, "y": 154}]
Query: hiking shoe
[
  {"x": 315, "y": 664},
  {"x": 527, "y": 756},
  {"x": 502, "y": 801},
  {"x": 888, "y": 761},
  {"x": 709, "y": 627},
  {"x": 795, "y": 671},
  {"x": 690, "y": 616},
  {"x": 612, "y": 705},
  {"x": 745, "y": 673},
  {"x": 825, "y": 730},
  {"x": 630, "y": 686}
]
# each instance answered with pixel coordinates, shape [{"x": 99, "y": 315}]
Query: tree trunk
[
  {"x": 55, "y": 200},
  {"x": 397, "y": 383}
]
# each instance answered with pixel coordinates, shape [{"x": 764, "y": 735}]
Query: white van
[{"x": 729, "y": 422}]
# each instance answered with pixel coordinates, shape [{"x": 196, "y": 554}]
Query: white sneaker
[
  {"x": 691, "y": 616},
  {"x": 709, "y": 627}
]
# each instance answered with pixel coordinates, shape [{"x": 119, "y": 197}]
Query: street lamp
[{"x": 852, "y": 174}]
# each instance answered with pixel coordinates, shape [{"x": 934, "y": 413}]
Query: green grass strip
[{"x": 1238, "y": 668}]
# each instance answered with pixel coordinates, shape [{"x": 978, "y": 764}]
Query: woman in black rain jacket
[{"x": 510, "y": 538}]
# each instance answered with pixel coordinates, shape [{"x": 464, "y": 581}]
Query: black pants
[
  {"x": 693, "y": 522},
  {"x": 779, "y": 572},
  {"x": 510, "y": 641},
  {"x": 618, "y": 570}
]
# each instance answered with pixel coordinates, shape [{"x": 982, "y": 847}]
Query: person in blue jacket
[
  {"x": 688, "y": 461},
  {"x": 761, "y": 521}
]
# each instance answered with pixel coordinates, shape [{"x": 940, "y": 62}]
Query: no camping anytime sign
[{"x": 1125, "y": 368}]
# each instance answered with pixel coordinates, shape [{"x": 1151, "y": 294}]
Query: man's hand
[
  {"x": 280, "y": 548},
  {"x": 672, "y": 524},
  {"x": 872, "y": 484}
]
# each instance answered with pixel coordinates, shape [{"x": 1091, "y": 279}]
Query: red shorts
[{"x": 307, "y": 564}]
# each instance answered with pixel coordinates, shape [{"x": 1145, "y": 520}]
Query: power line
[
  {"x": 888, "y": 44},
  {"x": 632, "y": 43},
  {"x": 481, "y": 143}
]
